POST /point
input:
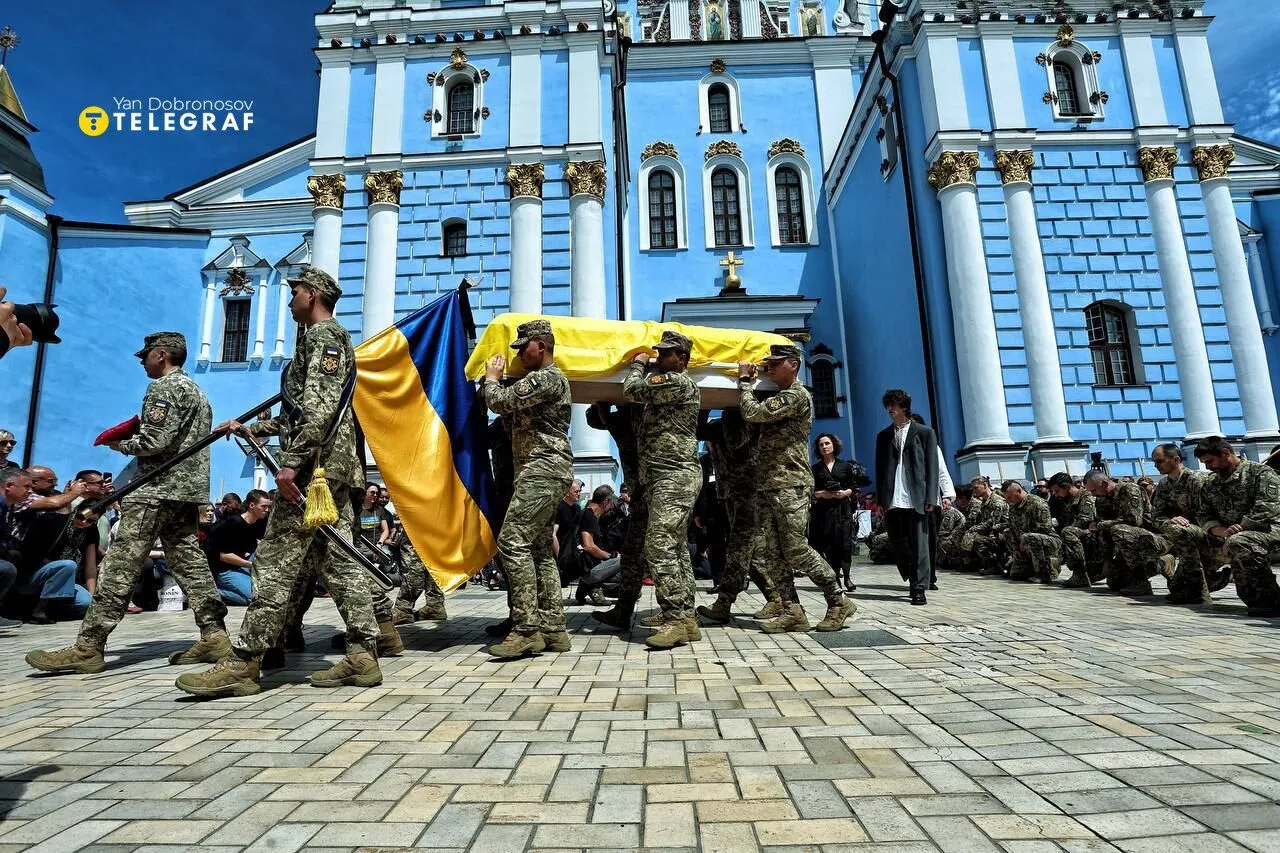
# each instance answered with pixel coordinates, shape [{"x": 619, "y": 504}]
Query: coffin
[{"x": 595, "y": 354}]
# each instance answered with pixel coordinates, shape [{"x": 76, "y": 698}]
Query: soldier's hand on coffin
[
  {"x": 747, "y": 370},
  {"x": 287, "y": 485},
  {"x": 495, "y": 367},
  {"x": 641, "y": 358}
]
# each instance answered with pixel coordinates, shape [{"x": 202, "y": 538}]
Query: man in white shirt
[{"x": 907, "y": 486}]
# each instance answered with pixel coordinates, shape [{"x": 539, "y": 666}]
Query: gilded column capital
[
  {"x": 1015, "y": 166},
  {"x": 953, "y": 167},
  {"x": 1211, "y": 161},
  {"x": 384, "y": 187},
  {"x": 586, "y": 177},
  {"x": 327, "y": 190},
  {"x": 526, "y": 179},
  {"x": 1157, "y": 162}
]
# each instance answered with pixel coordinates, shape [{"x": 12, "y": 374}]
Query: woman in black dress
[{"x": 835, "y": 482}]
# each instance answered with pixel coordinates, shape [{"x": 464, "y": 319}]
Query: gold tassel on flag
[{"x": 321, "y": 509}]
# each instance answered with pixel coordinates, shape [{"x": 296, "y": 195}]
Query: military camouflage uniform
[
  {"x": 1250, "y": 497},
  {"x": 1031, "y": 541},
  {"x": 980, "y": 545},
  {"x": 666, "y": 438},
  {"x": 291, "y": 553},
  {"x": 416, "y": 580},
  {"x": 1181, "y": 498},
  {"x": 1079, "y": 548},
  {"x": 880, "y": 549},
  {"x": 538, "y": 408},
  {"x": 785, "y": 491},
  {"x": 1126, "y": 540},
  {"x": 950, "y": 533},
  {"x": 735, "y": 457},
  {"x": 621, "y": 425},
  {"x": 175, "y": 415}
]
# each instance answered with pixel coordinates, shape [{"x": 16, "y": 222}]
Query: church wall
[
  {"x": 360, "y": 109},
  {"x": 555, "y": 99},
  {"x": 290, "y": 184},
  {"x": 1265, "y": 217},
  {"x": 1175, "y": 101},
  {"x": 494, "y": 131},
  {"x": 1112, "y": 79},
  {"x": 24, "y": 261}
]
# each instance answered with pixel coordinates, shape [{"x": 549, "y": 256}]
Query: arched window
[
  {"x": 725, "y": 209},
  {"x": 823, "y": 373},
  {"x": 790, "y": 206},
  {"x": 718, "y": 108},
  {"x": 1064, "y": 81},
  {"x": 662, "y": 210},
  {"x": 1110, "y": 344},
  {"x": 455, "y": 240},
  {"x": 461, "y": 108}
]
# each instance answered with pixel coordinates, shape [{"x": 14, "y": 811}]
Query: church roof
[
  {"x": 9, "y": 96},
  {"x": 16, "y": 156}
]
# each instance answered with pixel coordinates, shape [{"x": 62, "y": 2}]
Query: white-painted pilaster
[
  {"x": 678, "y": 11},
  {"x": 833, "y": 86},
  {"x": 260, "y": 324},
  {"x": 206, "y": 324},
  {"x": 284, "y": 295},
  {"x": 326, "y": 245},
  {"x": 941, "y": 83},
  {"x": 1001, "y": 68},
  {"x": 1144, "y": 77},
  {"x": 388, "y": 101},
  {"x": 751, "y": 19},
  {"x": 331, "y": 114},
  {"x": 584, "y": 91},
  {"x": 526, "y": 92},
  {"x": 1260, "y": 295},
  {"x": 1204, "y": 105}
]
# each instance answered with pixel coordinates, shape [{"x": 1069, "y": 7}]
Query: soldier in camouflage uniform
[
  {"x": 175, "y": 415},
  {"x": 1176, "y": 505},
  {"x": 980, "y": 546},
  {"x": 951, "y": 528},
  {"x": 317, "y": 430},
  {"x": 1241, "y": 505},
  {"x": 538, "y": 406},
  {"x": 1078, "y": 548},
  {"x": 666, "y": 437},
  {"x": 785, "y": 490},
  {"x": 1126, "y": 545},
  {"x": 417, "y": 580},
  {"x": 1032, "y": 544},
  {"x": 621, "y": 425}
]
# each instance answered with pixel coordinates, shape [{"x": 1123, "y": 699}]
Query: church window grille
[
  {"x": 662, "y": 210},
  {"x": 725, "y": 207},
  {"x": 455, "y": 240},
  {"x": 823, "y": 373},
  {"x": 235, "y": 330},
  {"x": 1064, "y": 79},
  {"x": 790, "y": 206},
  {"x": 1110, "y": 344},
  {"x": 718, "y": 108},
  {"x": 461, "y": 108}
]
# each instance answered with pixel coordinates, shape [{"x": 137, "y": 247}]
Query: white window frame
[
  {"x": 744, "y": 201},
  {"x": 835, "y": 382},
  {"x": 672, "y": 165},
  {"x": 735, "y": 103},
  {"x": 440, "y": 86},
  {"x": 222, "y": 327},
  {"x": 1086, "y": 76},
  {"x": 807, "y": 194}
]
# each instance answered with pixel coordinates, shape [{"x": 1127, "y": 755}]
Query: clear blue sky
[{"x": 75, "y": 53}]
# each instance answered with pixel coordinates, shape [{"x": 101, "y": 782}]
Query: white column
[
  {"x": 1260, "y": 294},
  {"x": 587, "y": 277},
  {"x": 206, "y": 325},
  {"x": 1048, "y": 403},
  {"x": 326, "y": 240},
  {"x": 584, "y": 89},
  {"x": 986, "y": 420},
  {"x": 1253, "y": 378},
  {"x": 335, "y": 97},
  {"x": 1200, "y": 410},
  {"x": 388, "y": 101},
  {"x": 284, "y": 295},
  {"x": 525, "y": 180},
  {"x": 260, "y": 325},
  {"x": 380, "y": 265}
]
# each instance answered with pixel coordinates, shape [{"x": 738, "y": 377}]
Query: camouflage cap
[
  {"x": 527, "y": 331},
  {"x": 161, "y": 339},
  {"x": 676, "y": 341},
  {"x": 777, "y": 352},
  {"x": 318, "y": 280}
]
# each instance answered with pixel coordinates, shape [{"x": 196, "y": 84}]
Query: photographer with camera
[{"x": 16, "y": 334}]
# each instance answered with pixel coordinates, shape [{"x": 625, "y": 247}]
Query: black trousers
[{"x": 909, "y": 533}]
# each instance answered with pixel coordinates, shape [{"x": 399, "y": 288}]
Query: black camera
[{"x": 40, "y": 318}]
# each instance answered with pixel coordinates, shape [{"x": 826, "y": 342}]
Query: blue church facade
[{"x": 1037, "y": 221}]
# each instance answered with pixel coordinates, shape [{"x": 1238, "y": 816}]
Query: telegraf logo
[{"x": 168, "y": 115}]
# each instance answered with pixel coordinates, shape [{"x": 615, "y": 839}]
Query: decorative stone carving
[
  {"x": 786, "y": 146},
  {"x": 724, "y": 146},
  {"x": 1157, "y": 163},
  {"x": 458, "y": 59},
  {"x": 586, "y": 177},
  {"x": 327, "y": 190},
  {"x": 1015, "y": 166},
  {"x": 953, "y": 167},
  {"x": 1211, "y": 161},
  {"x": 237, "y": 283},
  {"x": 717, "y": 66},
  {"x": 525, "y": 179},
  {"x": 1066, "y": 35},
  {"x": 384, "y": 187},
  {"x": 659, "y": 149}
]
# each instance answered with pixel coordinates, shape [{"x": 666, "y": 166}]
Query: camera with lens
[{"x": 40, "y": 318}]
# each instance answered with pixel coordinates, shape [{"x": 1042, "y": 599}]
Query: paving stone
[{"x": 1137, "y": 824}]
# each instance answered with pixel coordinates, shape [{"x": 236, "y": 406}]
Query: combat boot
[
  {"x": 837, "y": 615},
  {"x": 792, "y": 619},
  {"x": 231, "y": 676},
  {"x": 693, "y": 629},
  {"x": 357, "y": 669},
  {"x": 389, "y": 642},
  {"x": 1218, "y": 580},
  {"x": 556, "y": 641},
  {"x": 1052, "y": 570},
  {"x": 83, "y": 659},
  {"x": 210, "y": 648},
  {"x": 272, "y": 658},
  {"x": 402, "y": 615},
  {"x": 1138, "y": 587},
  {"x": 720, "y": 610},
  {"x": 432, "y": 611},
  {"x": 1079, "y": 579},
  {"x": 672, "y": 633},
  {"x": 618, "y": 617},
  {"x": 517, "y": 645},
  {"x": 1168, "y": 564},
  {"x": 597, "y": 598},
  {"x": 654, "y": 620},
  {"x": 771, "y": 610}
]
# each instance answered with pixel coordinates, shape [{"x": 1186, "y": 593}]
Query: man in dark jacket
[{"x": 907, "y": 487}]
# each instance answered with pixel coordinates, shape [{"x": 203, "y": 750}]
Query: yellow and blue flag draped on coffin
[
  {"x": 426, "y": 427},
  {"x": 587, "y": 347}
]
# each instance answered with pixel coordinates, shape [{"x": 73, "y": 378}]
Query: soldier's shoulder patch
[
  {"x": 658, "y": 379},
  {"x": 158, "y": 412},
  {"x": 329, "y": 361},
  {"x": 528, "y": 385},
  {"x": 774, "y": 404}
]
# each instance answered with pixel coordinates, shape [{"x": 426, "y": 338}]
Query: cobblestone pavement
[{"x": 1001, "y": 717}]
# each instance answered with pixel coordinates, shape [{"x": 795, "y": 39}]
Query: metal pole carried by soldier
[
  {"x": 538, "y": 406},
  {"x": 785, "y": 491},
  {"x": 175, "y": 416},
  {"x": 667, "y": 441},
  {"x": 1032, "y": 544},
  {"x": 317, "y": 433}
]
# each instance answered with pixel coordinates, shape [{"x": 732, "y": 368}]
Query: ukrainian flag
[{"x": 426, "y": 424}]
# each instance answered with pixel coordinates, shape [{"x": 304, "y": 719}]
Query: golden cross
[
  {"x": 731, "y": 278},
  {"x": 8, "y": 39}
]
